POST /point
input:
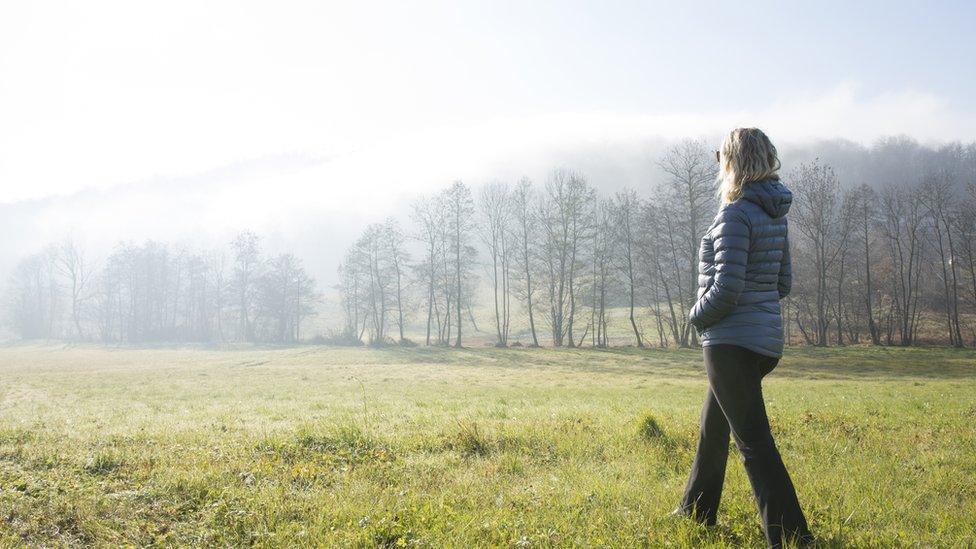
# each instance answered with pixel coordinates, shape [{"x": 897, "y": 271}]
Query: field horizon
[{"x": 433, "y": 447}]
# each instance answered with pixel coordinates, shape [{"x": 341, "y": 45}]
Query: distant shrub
[{"x": 337, "y": 338}]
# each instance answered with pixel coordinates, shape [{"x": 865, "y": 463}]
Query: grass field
[{"x": 477, "y": 447}]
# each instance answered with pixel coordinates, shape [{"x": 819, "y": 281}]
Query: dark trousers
[{"x": 735, "y": 403}]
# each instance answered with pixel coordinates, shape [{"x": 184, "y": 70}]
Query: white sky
[{"x": 411, "y": 95}]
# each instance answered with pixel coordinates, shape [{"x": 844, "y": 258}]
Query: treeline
[
  {"x": 893, "y": 263},
  {"x": 885, "y": 254},
  {"x": 154, "y": 292}
]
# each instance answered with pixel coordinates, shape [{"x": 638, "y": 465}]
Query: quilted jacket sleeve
[
  {"x": 730, "y": 238},
  {"x": 785, "y": 282}
]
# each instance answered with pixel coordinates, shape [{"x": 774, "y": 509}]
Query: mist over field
[
  {"x": 305, "y": 122},
  {"x": 315, "y": 206}
]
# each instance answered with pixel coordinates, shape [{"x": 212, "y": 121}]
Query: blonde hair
[{"x": 747, "y": 155}]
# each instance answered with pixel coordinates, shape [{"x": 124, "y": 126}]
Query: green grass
[{"x": 478, "y": 447}]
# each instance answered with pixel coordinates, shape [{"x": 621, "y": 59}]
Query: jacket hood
[{"x": 771, "y": 195}]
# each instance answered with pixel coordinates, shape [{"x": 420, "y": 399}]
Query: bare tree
[
  {"x": 866, "y": 219},
  {"x": 246, "y": 274},
  {"x": 495, "y": 232},
  {"x": 938, "y": 195},
  {"x": 369, "y": 283},
  {"x": 216, "y": 264},
  {"x": 846, "y": 220},
  {"x": 525, "y": 221},
  {"x": 73, "y": 267},
  {"x": 602, "y": 275},
  {"x": 564, "y": 215},
  {"x": 687, "y": 203},
  {"x": 428, "y": 215},
  {"x": 460, "y": 211},
  {"x": 373, "y": 252},
  {"x": 966, "y": 228},
  {"x": 650, "y": 251},
  {"x": 352, "y": 290},
  {"x": 627, "y": 211},
  {"x": 32, "y": 296},
  {"x": 659, "y": 253},
  {"x": 902, "y": 226},
  {"x": 285, "y": 298},
  {"x": 398, "y": 259},
  {"x": 823, "y": 230}
]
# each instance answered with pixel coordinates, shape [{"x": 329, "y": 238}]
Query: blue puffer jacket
[{"x": 745, "y": 270}]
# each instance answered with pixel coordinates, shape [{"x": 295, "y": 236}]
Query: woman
[{"x": 744, "y": 272}]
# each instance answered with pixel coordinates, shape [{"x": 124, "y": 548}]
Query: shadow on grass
[
  {"x": 855, "y": 362},
  {"x": 831, "y": 363},
  {"x": 619, "y": 360},
  {"x": 804, "y": 362}
]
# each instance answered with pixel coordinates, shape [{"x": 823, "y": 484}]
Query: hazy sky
[{"x": 413, "y": 94}]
